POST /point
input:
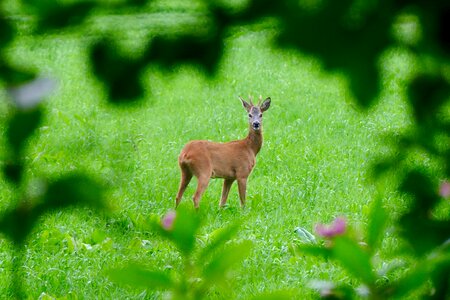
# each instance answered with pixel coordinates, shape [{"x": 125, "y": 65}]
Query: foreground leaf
[
  {"x": 217, "y": 269},
  {"x": 354, "y": 259},
  {"x": 377, "y": 222},
  {"x": 140, "y": 277}
]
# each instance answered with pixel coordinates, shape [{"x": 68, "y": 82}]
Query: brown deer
[{"x": 230, "y": 161}]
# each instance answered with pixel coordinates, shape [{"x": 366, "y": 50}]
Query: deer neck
[{"x": 254, "y": 140}]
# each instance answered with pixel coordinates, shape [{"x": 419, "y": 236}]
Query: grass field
[{"x": 314, "y": 165}]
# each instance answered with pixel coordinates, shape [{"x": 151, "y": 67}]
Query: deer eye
[
  {"x": 260, "y": 115},
  {"x": 250, "y": 115}
]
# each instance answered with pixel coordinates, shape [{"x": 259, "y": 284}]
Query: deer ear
[
  {"x": 265, "y": 105},
  {"x": 245, "y": 104}
]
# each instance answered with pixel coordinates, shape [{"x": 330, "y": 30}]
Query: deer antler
[
  {"x": 260, "y": 99},
  {"x": 251, "y": 100}
]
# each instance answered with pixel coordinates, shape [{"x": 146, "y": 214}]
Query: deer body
[{"x": 232, "y": 161}]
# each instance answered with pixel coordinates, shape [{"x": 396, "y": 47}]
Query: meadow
[{"x": 315, "y": 164}]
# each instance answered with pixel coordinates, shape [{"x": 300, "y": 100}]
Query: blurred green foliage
[
  {"x": 203, "y": 266},
  {"x": 347, "y": 36}
]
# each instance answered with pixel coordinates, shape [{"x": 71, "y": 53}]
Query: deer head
[{"x": 255, "y": 111}]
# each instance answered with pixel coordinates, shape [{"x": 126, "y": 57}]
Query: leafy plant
[{"x": 203, "y": 266}]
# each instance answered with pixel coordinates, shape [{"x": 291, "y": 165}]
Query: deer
[{"x": 231, "y": 161}]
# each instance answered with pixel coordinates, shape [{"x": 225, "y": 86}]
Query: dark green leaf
[
  {"x": 427, "y": 94},
  {"x": 73, "y": 189},
  {"x": 139, "y": 277},
  {"x": 198, "y": 50},
  {"x": 21, "y": 126},
  {"x": 6, "y": 31},
  {"x": 119, "y": 73},
  {"x": 354, "y": 259},
  {"x": 60, "y": 16},
  {"x": 440, "y": 276},
  {"x": 14, "y": 76},
  {"x": 13, "y": 171},
  {"x": 17, "y": 223},
  {"x": 410, "y": 282}
]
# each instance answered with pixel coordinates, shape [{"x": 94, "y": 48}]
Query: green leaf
[
  {"x": 120, "y": 74},
  {"x": 377, "y": 223},
  {"x": 73, "y": 189},
  {"x": 354, "y": 259},
  {"x": 184, "y": 229},
  {"x": 218, "y": 238},
  {"x": 18, "y": 222},
  {"x": 410, "y": 282},
  {"x": 314, "y": 250},
  {"x": 60, "y": 16},
  {"x": 223, "y": 261},
  {"x": 137, "y": 276},
  {"x": 21, "y": 126},
  {"x": 13, "y": 171}
]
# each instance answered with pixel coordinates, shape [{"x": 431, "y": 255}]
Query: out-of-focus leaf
[
  {"x": 222, "y": 262},
  {"x": 120, "y": 74},
  {"x": 203, "y": 50},
  {"x": 423, "y": 234},
  {"x": 14, "y": 76},
  {"x": 184, "y": 230},
  {"x": 356, "y": 43},
  {"x": 73, "y": 189},
  {"x": 377, "y": 223},
  {"x": 413, "y": 280},
  {"x": 17, "y": 223},
  {"x": 139, "y": 277},
  {"x": 13, "y": 171},
  {"x": 218, "y": 238},
  {"x": 427, "y": 94},
  {"x": 418, "y": 185},
  {"x": 21, "y": 126},
  {"x": 60, "y": 16},
  {"x": 440, "y": 275},
  {"x": 6, "y": 31},
  {"x": 443, "y": 27},
  {"x": 314, "y": 250},
  {"x": 354, "y": 259}
]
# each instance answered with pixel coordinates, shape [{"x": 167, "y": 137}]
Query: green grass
[{"x": 314, "y": 164}]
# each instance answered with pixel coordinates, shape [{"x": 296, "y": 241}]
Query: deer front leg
[
  {"x": 242, "y": 186},
  {"x": 225, "y": 190}
]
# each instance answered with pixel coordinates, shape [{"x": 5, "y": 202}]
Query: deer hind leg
[
  {"x": 242, "y": 186},
  {"x": 202, "y": 184},
  {"x": 225, "y": 190},
  {"x": 186, "y": 176}
]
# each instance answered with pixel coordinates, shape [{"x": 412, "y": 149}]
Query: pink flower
[
  {"x": 444, "y": 189},
  {"x": 337, "y": 228},
  {"x": 168, "y": 220}
]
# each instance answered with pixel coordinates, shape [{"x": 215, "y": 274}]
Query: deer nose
[{"x": 256, "y": 125}]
